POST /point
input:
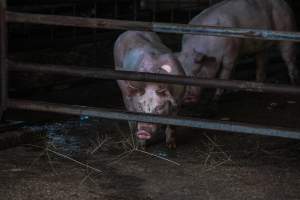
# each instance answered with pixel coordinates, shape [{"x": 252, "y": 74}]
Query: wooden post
[{"x": 3, "y": 58}]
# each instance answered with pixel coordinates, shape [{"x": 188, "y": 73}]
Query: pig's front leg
[
  {"x": 170, "y": 137},
  {"x": 225, "y": 74}
]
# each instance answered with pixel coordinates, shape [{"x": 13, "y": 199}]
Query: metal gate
[{"x": 98, "y": 23}]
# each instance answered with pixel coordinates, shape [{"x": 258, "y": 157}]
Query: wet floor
[{"x": 88, "y": 158}]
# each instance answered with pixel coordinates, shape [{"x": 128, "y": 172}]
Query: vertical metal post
[
  {"x": 154, "y": 11},
  {"x": 172, "y": 12},
  {"x": 52, "y": 27},
  {"x": 116, "y": 9},
  {"x": 74, "y": 7},
  {"x": 135, "y": 10},
  {"x": 3, "y": 60},
  {"x": 95, "y": 36},
  {"x": 190, "y": 14}
]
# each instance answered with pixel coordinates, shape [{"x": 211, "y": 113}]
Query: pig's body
[
  {"x": 144, "y": 52},
  {"x": 215, "y": 57}
]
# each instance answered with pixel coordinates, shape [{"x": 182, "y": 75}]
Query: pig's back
[
  {"x": 238, "y": 13},
  {"x": 131, "y": 47},
  {"x": 258, "y": 14}
]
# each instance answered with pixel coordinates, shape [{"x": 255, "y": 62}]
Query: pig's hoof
[{"x": 171, "y": 145}]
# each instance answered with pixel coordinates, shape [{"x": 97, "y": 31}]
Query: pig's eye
[
  {"x": 135, "y": 88},
  {"x": 136, "y": 91},
  {"x": 162, "y": 91}
]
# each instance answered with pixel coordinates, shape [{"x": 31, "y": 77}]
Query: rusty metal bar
[
  {"x": 151, "y": 26},
  {"x": 148, "y": 77},
  {"x": 175, "y": 121},
  {"x": 3, "y": 57}
]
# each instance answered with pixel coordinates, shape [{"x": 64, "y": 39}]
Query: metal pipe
[
  {"x": 151, "y": 26},
  {"x": 3, "y": 58},
  {"x": 149, "y": 77},
  {"x": 158, "y": 119},
  {"x": 135, "y": 10},
  {"x": 116, "y": 9},
  {"x": 35, "y": 8},
  {"x": 154, "y": 10}
]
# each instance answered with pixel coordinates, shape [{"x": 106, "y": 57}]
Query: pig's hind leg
[
  {"x": 225, "y": 73},
  {"x": 288, "y": 53},
  {"x": 228, "y": 62}
]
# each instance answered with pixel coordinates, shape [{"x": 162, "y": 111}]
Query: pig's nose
[
  {"x": 144, "y": 131},
  {"x": 145, "y": 126}
]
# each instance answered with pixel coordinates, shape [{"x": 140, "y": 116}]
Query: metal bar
[
  {"x": 3, "y": 58},
  {"x": 158, "y": 119},
  {"x": 149, "y": 77},
  {"x": 135, "y": 10},
  {"x": 74, "y": 31},
  {"x": 95, "y": 35},
  {"x": 116, "y": 9},
  {"x": 35, "y": 8},
  {"x": 52, "y": 28},
  {"x": 151, "y": 26},
  {"x": 172, "y": 13},
  {"x": 154, "y": 12}
]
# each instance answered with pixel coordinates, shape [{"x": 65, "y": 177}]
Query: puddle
[{"x": 69, "y": 137}]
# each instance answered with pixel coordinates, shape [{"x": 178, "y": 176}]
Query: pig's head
[
  {"x": 152, "y": 99},
  {"x": 197, "y": 65},
  {"x": 155, "y": 98}
]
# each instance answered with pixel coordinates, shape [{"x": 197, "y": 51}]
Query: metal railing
[
  {"x": 83, "y": 22},
  {"x": 13, "y": 17}
]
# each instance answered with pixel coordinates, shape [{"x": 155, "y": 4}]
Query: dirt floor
[{"x": 86, "y": 158}]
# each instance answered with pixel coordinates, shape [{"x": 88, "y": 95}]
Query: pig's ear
[
  {"x": 173, "y": 91},
  {"x": 134, "y": 87},
  {"x": 166, "y": 68}
]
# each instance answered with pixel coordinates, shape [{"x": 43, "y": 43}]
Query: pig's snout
[{"x": 145, "y": 131}]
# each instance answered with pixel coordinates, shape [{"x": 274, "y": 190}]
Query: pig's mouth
[{"x": 143, "y": 135}]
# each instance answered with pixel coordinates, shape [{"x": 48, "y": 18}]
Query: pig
[
  {"x": 144, "y": 52},
  {"x": 215, "y": 57}
]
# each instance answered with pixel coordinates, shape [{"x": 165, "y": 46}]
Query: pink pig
[{"x": 144, "y": 52}]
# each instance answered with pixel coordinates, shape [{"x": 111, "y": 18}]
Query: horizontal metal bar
[
  {"x": 158, "y": 119},
  {"x": 151, "y": 26},
  {"x": 148, "y": 77},
  {"x": 34, "y": 8}
]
